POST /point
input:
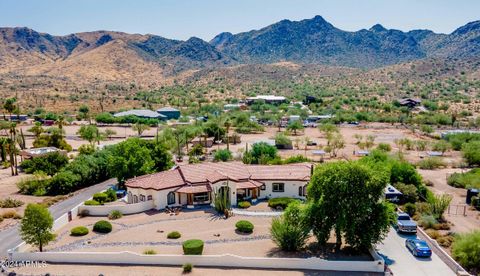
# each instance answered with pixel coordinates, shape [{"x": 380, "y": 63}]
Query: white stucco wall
[
  {"x": 226, "y": 260},
  {"x": 291, "y": 189},
  {"x": 126, "y": 209}
]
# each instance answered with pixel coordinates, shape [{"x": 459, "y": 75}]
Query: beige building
[{"x": 195, "y": 184}]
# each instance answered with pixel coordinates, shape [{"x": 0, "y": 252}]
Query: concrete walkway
[
  {"x": 242, "y": 212},
  {"x": 11, "y": 237}
]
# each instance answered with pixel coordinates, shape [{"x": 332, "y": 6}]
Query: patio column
[{"x": 254, "y": 193}]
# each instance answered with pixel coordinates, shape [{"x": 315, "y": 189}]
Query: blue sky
[{"x": 181, "y": 19}]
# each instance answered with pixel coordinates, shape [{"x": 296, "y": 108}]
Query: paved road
[
  {"x": 10, "y": 238},
  {"x": 403, "y": 263}
]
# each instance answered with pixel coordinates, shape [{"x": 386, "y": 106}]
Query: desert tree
[
  {"x": 36, "y": 226},
  {"x": 347, "y": 198},
  {"x": 140, "y": 128}
]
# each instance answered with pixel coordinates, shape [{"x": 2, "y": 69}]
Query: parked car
[
  {"x": 405, "y": 224},
  {"x": 419, "y": 248}
]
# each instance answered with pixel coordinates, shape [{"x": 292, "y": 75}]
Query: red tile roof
[{"x": 206, "y": 173}]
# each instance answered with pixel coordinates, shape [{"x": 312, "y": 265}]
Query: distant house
[
  {"x": 316, "y": 118},
  {"x": 30, "y": 153},
  {"x": 206, "y": 143},
  {"x": 270, "y": 99},
  {"x": 169, "y": 112},
  {"x": 234, "y": 106},
  {"x": 141, "y": 113},
  {"x": 410, "y": 102}
]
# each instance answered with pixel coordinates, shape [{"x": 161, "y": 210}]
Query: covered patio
[
  {"x": 192, "y": 195},
  {"x": 249, "y": 190}
]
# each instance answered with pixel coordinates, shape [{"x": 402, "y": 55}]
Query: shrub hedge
[
  {"x": 115, "y": 214},
  {"x": 79, "y": 231},
  {"x": 244, "y": 204},
  {"x": 91, "y": 202},
  {"x": 192, "y": 247},
  {"x": 280, "y": 202},
  {"x": 102, "y": 226},
  {"x": 244, "y": 226}
]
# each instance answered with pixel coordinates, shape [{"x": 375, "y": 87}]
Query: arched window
[
  {"x": 305, "y": 190},
  {"x": 130, "y": 197},
  {"x": 171, "y": 198},
  {"x": 142, "y": 198},
  {"x": 135, "y": 199},
  {"x": 300, "y": 191},
  {"x": 149, "y": 197}
]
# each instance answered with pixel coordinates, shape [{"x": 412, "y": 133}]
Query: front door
[{"x": 190, "y": 199}]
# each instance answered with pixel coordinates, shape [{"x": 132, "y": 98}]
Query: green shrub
[
  {"x": 79, "y": 231},
  {"x": 223, "y": 155},
  {"x": 384, "y": 147},
  {"x": 244, "y": 204},
  {"x": 471, "y": 153},
  {"x": 10, "y": 203},
  {"x": 115, "y": 214},
  {"x": 410, "y": 209},
  {"x": 470, "y": 179},
  {"x": 187, "y": 268},
  {"x": 174, "y": 235},
  {"x": 466, "y": 250},
  {"x": 102, "y": 226},
  {"x": 403, "y": 172},
  {"x": 428, "y": 221},
  {"x": 281, "y": 202},
  {"x": 50, "y": 163},
  {"x": 36, "y": 185},
  {"x": 100, "y": 197},
  {"x": 409, "y": 192},
  {"x": 111, "y": 195},
  {"x": 423, "y": 208},
  {"x": 91, "y": 202},
  {"x": 192, "y": 247},
  {"x": 431, "y": 163},
  {"x": 290, "y": 231},
  {"x": 150, "y": 252},
  {"x": 244, "y": 226}
]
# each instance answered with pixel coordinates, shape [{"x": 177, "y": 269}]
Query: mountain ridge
[{"x": 308, "y": 41}]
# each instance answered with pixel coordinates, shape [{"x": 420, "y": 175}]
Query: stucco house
[{"x": 195, "y": 184}]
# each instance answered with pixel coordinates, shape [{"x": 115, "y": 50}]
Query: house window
[
  {"x": 130, "y": 197},
  {"x": 300, "y": 191},
  {"x": 149, "y": 197},
  {"x": 135, "y": 199},
  {"x": 278, "y": 187},
  {"x": 305, "y": 190},
  {"x": 171, "y": 198},
  {"x": 142, "y": 198},
  {"x": 200, "y": 197}
]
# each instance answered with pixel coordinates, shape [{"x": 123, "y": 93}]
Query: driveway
[
  {"x": 402, "y": 263},
  {"x": 10, "y": 237}
]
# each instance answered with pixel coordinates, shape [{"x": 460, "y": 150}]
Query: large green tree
[
  {"x": 36, "y": 226},
  {"x": 347, "y": 197}
]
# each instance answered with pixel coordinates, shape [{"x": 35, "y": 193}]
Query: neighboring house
[
  {"x": 169, "y": 112},
  {"x": 206, "y": 143},
  {"x": 14, "y": 117},
  {"x": 270, "y": 99},
  {"x": 410, "y": 102},
  {"x": 196, "y": 184},
  {"x": 36, "y": 152},
  {"x": 141, "y": 113}
]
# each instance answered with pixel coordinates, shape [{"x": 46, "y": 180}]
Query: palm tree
[{"x": 37, "y": 129}]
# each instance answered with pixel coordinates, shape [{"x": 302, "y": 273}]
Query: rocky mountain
[{"x": 116, "y": 56}]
